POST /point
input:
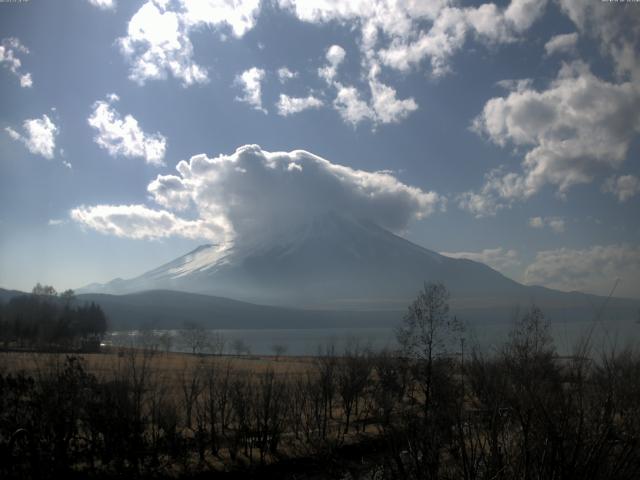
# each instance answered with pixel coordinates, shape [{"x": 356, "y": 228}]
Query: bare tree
[
  {"x": 165, "y": 340},
  {"x": 352, "y": 376},
  {"x": 240, "y": 347},
  {"x": 44, "y": 291},
  {"x": 278, "y": 350},
  {"x": 195, "y": 337},
  {"x": 191, "y": 386},
  {"x": 427, "y": 332}
]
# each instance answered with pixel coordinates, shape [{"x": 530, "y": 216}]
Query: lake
[{"x": 488, "y": 337}]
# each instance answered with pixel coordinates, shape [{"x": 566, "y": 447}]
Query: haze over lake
[{"x": 310, "y": 341}]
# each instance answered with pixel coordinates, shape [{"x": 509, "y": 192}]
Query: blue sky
[{"x": 508, "y": 133}]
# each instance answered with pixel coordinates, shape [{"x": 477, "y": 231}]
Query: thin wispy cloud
[
  {"x": 593, "y": 269},
  {"x": 10, "y": 51},
  {"x": 104, "y": 4},
  {"x": 556, "y": 224},
  {"x": 499, "y": 258},
  {"x": 623, "y": 187},
  {"x": 564, "y": 43}
]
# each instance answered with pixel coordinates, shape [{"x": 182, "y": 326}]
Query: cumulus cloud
[
  {"x": 123, "y": 136},
  {"x": 350, "y": 105},
  {"x": 285, "y": 74},
  {"x": 403, "y": 34},
  {"x": 565, "y": 43},
  {"x": 39, "y": 136},
  {"x": 384, "y": 105},
  {"x": 158, "y": 35},
  {"x": 104, "y": 4},
  {"x": 335, "y": 56},
  {"x": 617, "y": 30},
  {"x": 556, "y": 224},
  {"x": 400, "y": 35},
  {"x": 536, "y": 222},
  {"x": 10, "y": 48},
  {"x": 577, "y": 128},
  {"x": 384, "y": 102},
  {"x": 488, "y": 202},
  {"x": 251, "y": 83},
  {"x": 289, "y": 105},
  {"x": 257, "y": 190},
  {"x": 592, "y": 270},
  {"x": 499, "y": 258},
  {"x": 252, "y": 192},
  {"x": 140, "y": 222},
  {"x": 623, "y": 187}
]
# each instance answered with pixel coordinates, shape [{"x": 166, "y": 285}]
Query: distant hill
[
  {"x": 170, "y": 309},
  {"x": 165, "y": 309},
  {"x": 6, "y": 295}
]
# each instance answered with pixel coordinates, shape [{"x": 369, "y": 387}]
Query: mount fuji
[{"x": 338, "y": 262}]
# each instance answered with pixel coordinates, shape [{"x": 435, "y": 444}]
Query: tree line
[
  {"x": 48, "y": 320},
  {"x": 427, "y": 411}
]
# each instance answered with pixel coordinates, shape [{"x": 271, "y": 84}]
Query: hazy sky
[{"x": 508, "y": 133}]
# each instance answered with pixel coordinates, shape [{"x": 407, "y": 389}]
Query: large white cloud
[
  {"x": 39, "y": 136},
  {"x": 140, "y": 222},
  {"x": 251, "y": 83},
  {"x": 10, "y": 48},
  {"x": 257, "y": 190},
  {"x": 123, "y": 136},
  {"x": 251, "y": 192},
  {"x": 593, "y": 270},
  {"x": 577, "y": 128},
  {"x": 158, "y": 35}
]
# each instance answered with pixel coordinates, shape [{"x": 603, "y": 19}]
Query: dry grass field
[{"x": 104, "y": 364}]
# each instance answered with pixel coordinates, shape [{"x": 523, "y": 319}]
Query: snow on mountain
[
  {"x": 332, "y": 260},
  {"x": 335, "y": 261}
]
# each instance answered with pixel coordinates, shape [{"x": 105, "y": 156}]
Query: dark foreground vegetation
[
  {"x": 431, "y": 410},
  {"x": 46, "y": 320}
]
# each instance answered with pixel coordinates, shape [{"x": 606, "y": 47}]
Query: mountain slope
[
  {"x": 172, "y": 309},
  {"x": 336, "y": 262},
  {"x": 332, "y": 261}
]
